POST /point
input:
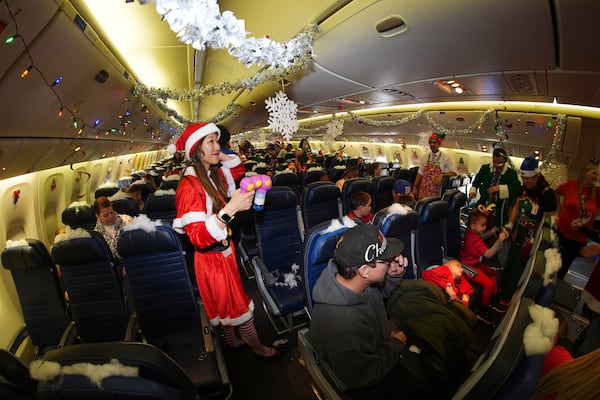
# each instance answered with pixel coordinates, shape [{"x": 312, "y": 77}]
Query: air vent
[
  {"x": 398, "y": 93},
  {"x": 523, "y": 84},
  {"x": 390, "y": 26}
]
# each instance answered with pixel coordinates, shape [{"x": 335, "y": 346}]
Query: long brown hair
[
  {"x": 576, "y": 379},
  {"x": 217, "y": 191},
  {"x": 588, "y": 166}
]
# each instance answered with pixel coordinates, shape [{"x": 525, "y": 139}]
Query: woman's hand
[
  {"x": 239, "y": 202},
  {"x": 576, "y": 224}
]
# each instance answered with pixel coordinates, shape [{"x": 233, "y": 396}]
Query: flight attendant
[
  {"x": 434, "y": 166},
  {"x": 206, "y": 203}
]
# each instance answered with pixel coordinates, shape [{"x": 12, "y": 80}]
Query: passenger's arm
[{"x": 417, "y": 185}]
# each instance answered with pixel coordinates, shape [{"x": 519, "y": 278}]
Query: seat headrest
[
  {"x": 139, "y": 242},
  {"x": 82, "y": 250},
  {"x": 433, "y": 211},
  {"x": 34, "y": 255}
]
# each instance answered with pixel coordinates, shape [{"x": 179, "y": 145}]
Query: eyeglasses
[{"x": 390, "y": 261}]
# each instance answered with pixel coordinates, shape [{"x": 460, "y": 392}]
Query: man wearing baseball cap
[
  {"x": 497, "y": 183},
  {"x": 349, "y": 327}
]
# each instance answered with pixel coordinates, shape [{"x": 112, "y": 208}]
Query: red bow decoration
[{"x": 486, "y": 210}]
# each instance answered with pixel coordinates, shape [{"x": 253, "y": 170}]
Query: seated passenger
[
  {"x": 402, "y": 193},
  {"x": 136, "y": 193},
  {"x": 448, "y": 277},
  {"x": 109, "y": 223},
  {"x": 473, "y": 251},
  {"x": 349, "y": 173},
  {"x": 360, "y": 207},
  {"x": 350, "y": 329}
]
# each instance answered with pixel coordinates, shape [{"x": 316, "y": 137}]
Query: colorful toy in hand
[{"x": 259, "y": 183}]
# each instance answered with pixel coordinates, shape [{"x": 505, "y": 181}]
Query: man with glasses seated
[{"x": 350, "y": 329}]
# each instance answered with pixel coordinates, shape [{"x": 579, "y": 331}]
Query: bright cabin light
[
  {"x": 10, "y": 39},
  {"x": 26, "y": 71},
  {"x": 458, "y": 90}
]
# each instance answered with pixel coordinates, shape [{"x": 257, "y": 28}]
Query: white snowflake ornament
[{"x": 282, "y": 115}]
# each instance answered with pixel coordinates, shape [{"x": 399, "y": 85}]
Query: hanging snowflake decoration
[
  {"x": 282, "y": 115},
  {"x": 335, "y": 128}
]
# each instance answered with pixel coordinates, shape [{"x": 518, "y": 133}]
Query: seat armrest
[
  {"x": 18, "y": 339},
  {"x": 132, "y": 328},
  {"x": 263, "y": 273},
  {"x": 69, "y": 335}
]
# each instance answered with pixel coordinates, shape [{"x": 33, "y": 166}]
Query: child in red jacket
[
  {"x": 472, "y": 252},
  {"x": 448, "y": 277}
]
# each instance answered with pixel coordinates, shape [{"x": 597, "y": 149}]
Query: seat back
[
  {"x": 158, "y": 375},
  {"x": 452, "y": 225},
  {"x": 161, "y": 205},
  {"x": 278, "y": 231},
  {"x": 288, "y": 179},
  {"x": 351, "y": 186},
  {"x": 279, "y": 239},
  {"x": 491, "y": 375},
  {"x": 126, "y": 206},
  {"x": 39, "y": 291},
  {"x": 318, "y": 248},
  {"x": 94, "y": 287},
  {"x": 79, "y": 215},
  {"x": 320, "y": 374},
  {"x": 429, "y": 239},
  {"x": 159, "y": 280},
  {"x": 312, "y": 175},
  {"x": 15, "y": 381},
  {"x": 382, "y": 192},
  {"x": 105, "y": 191},
  {"x": 166, "y": 308},
  {"x": 170, "y": 183},
  {"x": 401, "y": 223},
  {"x": 320, "y": 202}
]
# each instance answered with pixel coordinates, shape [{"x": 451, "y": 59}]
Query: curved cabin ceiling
[{"x": 509, "y": 51}]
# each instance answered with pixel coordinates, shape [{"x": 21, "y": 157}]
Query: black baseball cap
[{"x": 364, "y": 244}]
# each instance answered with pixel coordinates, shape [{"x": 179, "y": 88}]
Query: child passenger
[
  {"x": 471, "y": 254},
  {"x": 360, "y": 207},
  {"x": 448, "y": 277}
]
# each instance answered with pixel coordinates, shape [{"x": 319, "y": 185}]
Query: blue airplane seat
[
  {"x": 158, "y": 376},
  {"x": 79, "y": 216},
  {"x": 382, "y": 192},
  {"x": 318, "y": 247},
  {"x": 289, "y": 179},
  {"x": 95, "y": 288},
  {"x": 320, "y": 202},
  {"x": 167, "y": 310},
  {"x": 40, "y": 294},
  {"x": 351, "y": 186},
  {"x": 126, "y": 206},
  {"x": 161, "y": 207},
  {"x": 279, "y": 238},
  {"x": 15, "y": 381},
  {"x": 453, "y": 225},
  {"x": 105, "y": 191},
  {"x": 403, "y": 227},
  {"x": 429, "y": 241}
]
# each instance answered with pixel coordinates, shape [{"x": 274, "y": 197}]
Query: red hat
[
  {"x": 437, "y": 136},
  {"x": 192, "y": 135}
]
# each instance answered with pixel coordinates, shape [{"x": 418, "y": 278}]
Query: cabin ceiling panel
[
  {"x": 578, "y": 33},
  {"x": 32, "y": 16},
  {"x": 444, "y": 39},
  {"x": 574, "y": 87}
]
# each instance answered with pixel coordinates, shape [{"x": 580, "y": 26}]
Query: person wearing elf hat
[
  {"x": 498, "y": 184},
  {"x": 434, "y": 167},
  {"x": 537, "y": 199},
  {"x": 206, "y": 203}
]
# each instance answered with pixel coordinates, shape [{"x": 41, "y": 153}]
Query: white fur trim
[
  {"x": 245, "y": 317},
  {"x": 188, "y": 218},
  {"x": 214, "y": 230},
  {"x": 199, "y": 134},
  {"x": 171, "y": 149},
  {"x": 529, "y": 174}
]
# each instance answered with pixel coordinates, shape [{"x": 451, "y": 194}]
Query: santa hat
[
  {"x": 529, "y": 167},
  {"x": 191, "y": 136},
  {"x": 438, "y": 137}
]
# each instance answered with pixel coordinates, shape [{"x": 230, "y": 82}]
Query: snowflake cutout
[
  {"x": 335, "y": 128},
  {"x": 282, "y": 115}
]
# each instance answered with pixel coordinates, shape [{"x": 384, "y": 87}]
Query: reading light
[{"x": 60, "y": 112}]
